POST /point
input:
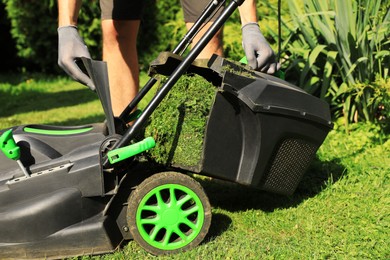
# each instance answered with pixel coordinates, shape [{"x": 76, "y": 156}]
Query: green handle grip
[
  {"x": 123, "y": 153},
  {"x": 8, "y": 145}
]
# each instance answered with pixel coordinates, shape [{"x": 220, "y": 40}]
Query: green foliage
[
  {"x": 161, "y": 29},
  {"x": 9, "y": 60},
  {"x": 179, "y": 122},
  {"x": 338, "y": 45},
  {"x": 371, "y": 100},
  {"x": 34, "y": 28}
]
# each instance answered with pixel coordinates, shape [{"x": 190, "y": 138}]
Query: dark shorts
[
  {"x": 121, "y": 9},
  {"x": 192, "y": 9}
]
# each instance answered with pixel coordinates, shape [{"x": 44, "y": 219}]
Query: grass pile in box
[{"x": 179, "y": 122}]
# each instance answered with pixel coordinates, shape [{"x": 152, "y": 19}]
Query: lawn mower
[{"x": 84, "y": 190}]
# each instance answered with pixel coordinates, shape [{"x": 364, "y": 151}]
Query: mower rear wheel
[{"x": 168, "y": 212}]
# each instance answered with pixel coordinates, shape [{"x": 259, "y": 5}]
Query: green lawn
[{"x": 341, "y": 210}]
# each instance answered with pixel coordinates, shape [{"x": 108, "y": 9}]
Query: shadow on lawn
[
  {"x": 34, "y": 100},
  {"x": 234, "y": 197},
  {"x": 82, "y": 121}
]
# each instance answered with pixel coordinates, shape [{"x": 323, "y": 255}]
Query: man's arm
[
  {"x": 68, "y": 12},
  {"x": 70, "y": 45},
  {"x": 258, "y": 52},
  {"x": 248, "y": 12}
]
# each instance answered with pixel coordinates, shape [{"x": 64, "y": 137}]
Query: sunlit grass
[{"x": 33, "y": 99}]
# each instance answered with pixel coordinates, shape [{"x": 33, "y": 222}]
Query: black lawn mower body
[{"x": 261, "y": 132}]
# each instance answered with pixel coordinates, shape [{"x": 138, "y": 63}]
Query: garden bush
[
  {"x": 338, "y": 46},
  {"x": 34, "y": 29},
  {"x": 9, "y": 59}
]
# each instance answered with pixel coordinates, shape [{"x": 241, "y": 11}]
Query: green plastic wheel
[{"x": 168, "y": 212}]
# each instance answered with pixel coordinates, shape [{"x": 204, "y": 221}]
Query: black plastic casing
[
  {"x": 59, "y": 210},
  {"x": 262, "y": 131}
]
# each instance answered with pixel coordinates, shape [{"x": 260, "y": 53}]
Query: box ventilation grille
[{"x": 289, "y": 164}]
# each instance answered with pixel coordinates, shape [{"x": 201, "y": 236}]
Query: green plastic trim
[
  {"x": 57, "y": 131},
  {"x": 123, "y": 153},
  {"x": 8, "y": 145},
  {"x": 244, "y": 60},
  {"x": 173, "y": 224}
]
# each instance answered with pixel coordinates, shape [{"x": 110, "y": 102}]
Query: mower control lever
[
  {"x": 9, "y": 147},
  {"x": 123, "y": 153}
]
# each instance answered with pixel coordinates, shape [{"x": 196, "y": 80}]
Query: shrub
[
  {"x": 9, "y": 59},
  {"x": 161, "y": 29},
  {"x": 34, "y": 28},
  {"x": 372, "y": 100},
  {"x": 335, "y": 47}
]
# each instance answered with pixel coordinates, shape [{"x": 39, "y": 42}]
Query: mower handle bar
[
  {"x": 179, "y": 49},
  {"x": 178, "y": 72}
]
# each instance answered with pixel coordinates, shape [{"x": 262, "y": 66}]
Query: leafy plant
[
  {"x": 161, "y": 28},
  {"x": 372, "y": 100},
  {"x": 337, "y": 45},
  {"x": 34, "y": 28}
]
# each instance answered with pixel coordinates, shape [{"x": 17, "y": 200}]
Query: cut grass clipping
[{"x": 179, "y": 122}]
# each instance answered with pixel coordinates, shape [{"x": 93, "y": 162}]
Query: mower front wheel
[{"x": 168, "y": 212}]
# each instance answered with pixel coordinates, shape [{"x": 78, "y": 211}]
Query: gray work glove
[
  {"x": 259, "y": 54},
  {"x": 71, "y": 47}
]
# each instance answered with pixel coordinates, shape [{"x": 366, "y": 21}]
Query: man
[{"x": 120, "y": 25}]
